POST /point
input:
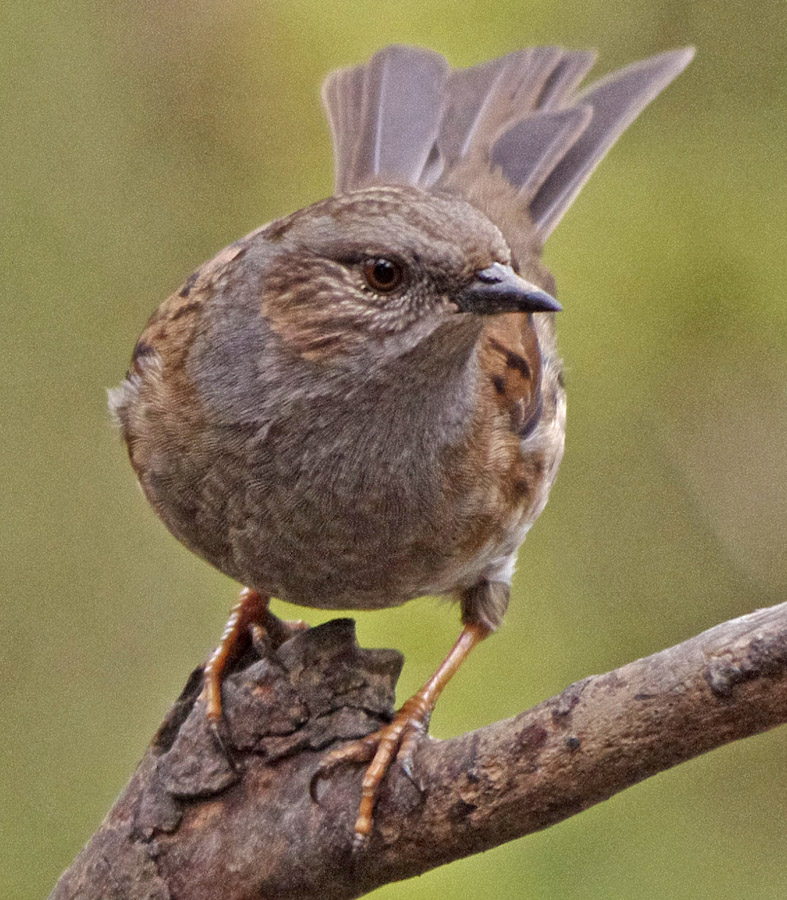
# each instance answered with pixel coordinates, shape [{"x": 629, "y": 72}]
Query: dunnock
[{"x": 362, "y": 402}]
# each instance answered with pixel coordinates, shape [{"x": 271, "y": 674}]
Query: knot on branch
[
  {"x": 186, "y": 808},
  {"x": 316, "y": 688}
]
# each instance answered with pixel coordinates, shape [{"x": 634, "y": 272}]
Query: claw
[
  {"x": 360, "y": 843},
  {"x": 405, "y": 757},
  {"x": 218, "y": 729},
  {"x": 313, "y": 782},
  {"x": 260, "y": 640}
]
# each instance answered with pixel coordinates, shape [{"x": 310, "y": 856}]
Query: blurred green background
[{"x": 138, "y": 138}]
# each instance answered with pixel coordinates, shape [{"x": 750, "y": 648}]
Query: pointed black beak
[{"x": 498, "y": 289}]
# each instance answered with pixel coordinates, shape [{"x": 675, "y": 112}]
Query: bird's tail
[{"x": 407, "y": 117}]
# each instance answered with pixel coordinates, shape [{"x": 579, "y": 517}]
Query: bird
[{"x": 362, "y": 402}]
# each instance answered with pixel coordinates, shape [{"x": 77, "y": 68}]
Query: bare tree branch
[{"x": 188, "y": 827}]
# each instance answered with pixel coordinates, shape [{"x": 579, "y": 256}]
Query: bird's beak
[{"x": 498, "y": 289}]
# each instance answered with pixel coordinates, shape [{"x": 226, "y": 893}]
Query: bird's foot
[
  {"x": 393, "y": 742},
  {"x": 398, "y": 740},
  {"x": 249, "y": 622}
]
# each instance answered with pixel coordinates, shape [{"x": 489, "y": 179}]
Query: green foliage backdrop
[{"x": 139, "y": 138}]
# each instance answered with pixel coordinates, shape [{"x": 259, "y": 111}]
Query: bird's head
[{"x": 383, "y": 268}]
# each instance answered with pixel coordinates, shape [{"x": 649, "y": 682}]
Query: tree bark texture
[{"x": 190, "y": 827}]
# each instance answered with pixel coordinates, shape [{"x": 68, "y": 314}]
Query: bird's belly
[
  {"x": 388, "y": 546},
  {"x": 358, "y": 558},
  {"x": 335, "y": 574}
]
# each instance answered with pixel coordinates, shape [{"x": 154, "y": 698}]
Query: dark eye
[{"x": 383, "y": 275}]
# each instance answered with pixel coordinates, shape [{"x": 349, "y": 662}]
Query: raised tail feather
[{"x": 407, "y": 117}]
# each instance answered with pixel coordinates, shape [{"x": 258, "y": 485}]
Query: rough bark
[{"x": 188, "y": 827}]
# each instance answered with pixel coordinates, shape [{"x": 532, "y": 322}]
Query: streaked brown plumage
[{"x": 362, "y": 403}]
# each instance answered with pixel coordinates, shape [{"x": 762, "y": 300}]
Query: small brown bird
[{"x": 362, "y": 403}]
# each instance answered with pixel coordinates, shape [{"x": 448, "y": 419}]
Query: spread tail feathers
[{"x": 406, "y": 117}]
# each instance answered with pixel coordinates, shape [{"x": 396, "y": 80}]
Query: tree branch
[{"x": 188, "y": 827}]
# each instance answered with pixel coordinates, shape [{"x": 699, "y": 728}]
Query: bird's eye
[{"x": 383, "y": 275}]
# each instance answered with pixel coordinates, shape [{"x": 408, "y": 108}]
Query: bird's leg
[
  {"x": 251, "y": 609},
  {"x": 249, "y": 620},
  {"x": 398, "y": 739}
]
